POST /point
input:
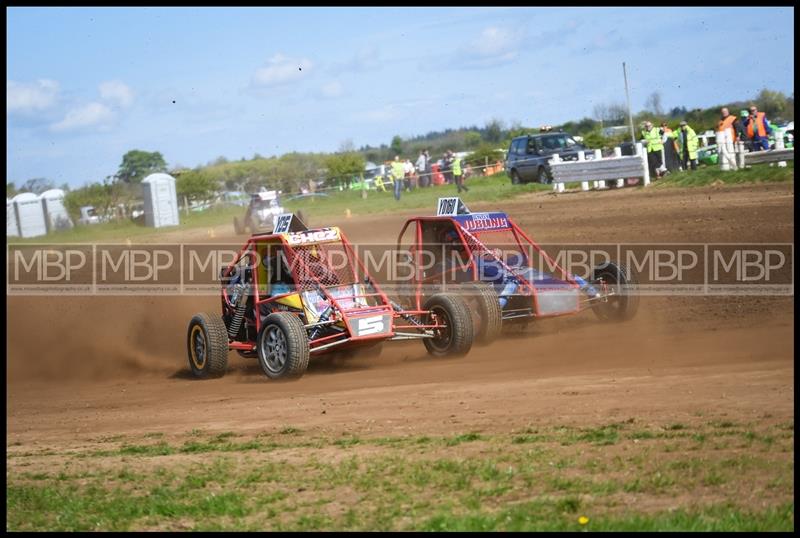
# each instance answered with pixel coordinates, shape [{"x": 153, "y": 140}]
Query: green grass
[
  {"x": 708, "y": 175},
  {"x": 496, "y": 188},
  {"x": 537, "y": 479},
  {"x": 323, "y": 211}
]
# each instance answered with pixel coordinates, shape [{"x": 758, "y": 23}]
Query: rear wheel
[
  {"x": 623, "y": 301},
  {"x": 456, "y": 334},
  {"x": 515, "y": 179},
  {"x": 207, "y": 345},
  {"x": 484, "y": 307},
  {"x": 282, "y": 346}
]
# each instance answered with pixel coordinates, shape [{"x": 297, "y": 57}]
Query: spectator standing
[
  {"x": 398, "y": 174},
  {"x": 458, "y": 174},
  {"x": 447, "y": 167},
  {"x": 652, "y": 140},
  {"x": 408, "y": 171},
  {"x": 422, "y": 165},
  {"x": 687, "y": 142},
  {"x": 672, "y": 161},
  {"x": 758, "y": 128},
  {"x": 727, "y": 122}
]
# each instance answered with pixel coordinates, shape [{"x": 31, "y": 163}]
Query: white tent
[
  {"x": 160, "y": 200},
  {"x": 30, "y": 215},
  {"x": 12, "y": 230},
  {"x": 55, "y": 213}
]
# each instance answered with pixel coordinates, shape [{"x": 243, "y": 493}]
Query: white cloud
[
  {"x": 90, "y": 115},
  {"x": 494, "y": 46},
  {"x": 30, "y": 97},
  {"x": 332, "y": 89},
  {"x": 117, "y": 93},
  {"x": 281, "y": 70}
]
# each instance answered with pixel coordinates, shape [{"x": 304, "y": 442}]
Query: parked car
[{"x": 529, "y": 155}]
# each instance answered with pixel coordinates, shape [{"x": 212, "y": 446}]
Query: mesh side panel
[{"x": 329, "y": 264}]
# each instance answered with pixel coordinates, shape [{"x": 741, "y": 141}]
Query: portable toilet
[
  {"x": 55, "y": 213},
  {"x": 30, "y": 215},
  {"x": 160, "y": 200},
  {"x": 12, "y": 230}
]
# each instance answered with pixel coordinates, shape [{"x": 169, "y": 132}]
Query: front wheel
[
  {"x": 623, "y": 300},
  {"x": 282, "y": 346},
  {"x": 484, "y": 305},
  {"x": 542, "y": 176},
  {"x": 207, "y": 345},
  {"x": 515, "y": 179},
  {"x": 456, "y": 333}
]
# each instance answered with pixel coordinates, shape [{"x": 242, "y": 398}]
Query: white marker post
[
  {"x": 642, "y": 155},
  {"x": 617, "y": 155},
  {"x": 597, "y": 156},
  {"x": 584, "y": 184}
]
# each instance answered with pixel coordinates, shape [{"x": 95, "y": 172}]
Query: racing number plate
[{"x": 371, "y": 325}]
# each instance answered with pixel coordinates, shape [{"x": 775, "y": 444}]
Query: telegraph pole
[{"x": 628, "y": 97}]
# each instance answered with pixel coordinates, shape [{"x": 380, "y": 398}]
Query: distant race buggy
[
  {"x": 298, "y": 293},
  {"x": 511, "y": 277},
  {"x": 261, "y": 214}
]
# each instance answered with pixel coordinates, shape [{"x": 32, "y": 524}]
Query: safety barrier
[{"x": 598, "y": 169}]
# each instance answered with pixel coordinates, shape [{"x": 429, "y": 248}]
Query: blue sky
[{"x": 86, "y": 85}]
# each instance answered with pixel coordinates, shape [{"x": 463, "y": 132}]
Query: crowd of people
[
  {"x": 404, "y": 175},
  {"x": 679, "y": 148}
]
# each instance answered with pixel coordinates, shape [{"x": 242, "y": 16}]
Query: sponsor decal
[
  {"x": 477, "y": 222},
  {"x": 313, "y": 236}
]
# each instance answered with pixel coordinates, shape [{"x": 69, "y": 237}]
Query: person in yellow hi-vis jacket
[
  {"x": 688, "y": 144},
  {"x": 653, "y": 144}
]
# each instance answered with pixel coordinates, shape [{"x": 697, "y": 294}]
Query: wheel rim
[
  {"x": 441, "y": 342},
  {"x": 613, "y": 303},
  {"x": 274, "y": 349},
  {"x": 197, "y": 347}
]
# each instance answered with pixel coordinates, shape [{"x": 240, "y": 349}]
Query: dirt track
[{"x": 80, "y": 367}]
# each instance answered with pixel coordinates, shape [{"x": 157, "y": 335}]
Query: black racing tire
[
  {"x": 456, "y": 338},
  {"x": 543, "y": 176},
  {"x": 282, "y": 346},
  {"x": 250, "y": 225},
  {"x": 515, "y": 179},
  {"x": 624, "y": 303},
  {"x": 484, "y": 305},
  {"x": 237, "y": 226},
  {"x": 207, "y": 345}
]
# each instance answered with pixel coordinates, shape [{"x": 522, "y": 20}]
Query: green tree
[
  {"x": 137, "y": 164},
  {"x": 472, "y": 139},
  {"x": 11, "y": 189},
  {"x": 195, "y": 184},
  {"x": 37, "y": 185},
  {"x": 494, "y": 130},
  {"x": 102, "y": 196},
  {"x": 397, "y": 145},
  {"x": 772, "y": 103},
  {"x": 342, "y": 167}
]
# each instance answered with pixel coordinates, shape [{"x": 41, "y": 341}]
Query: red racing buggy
[
  {"x": 502, "y": 262},
  {"x": 297, "y": 293}
]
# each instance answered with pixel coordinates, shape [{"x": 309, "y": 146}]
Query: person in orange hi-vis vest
[{"x": 758, "y": 128}]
